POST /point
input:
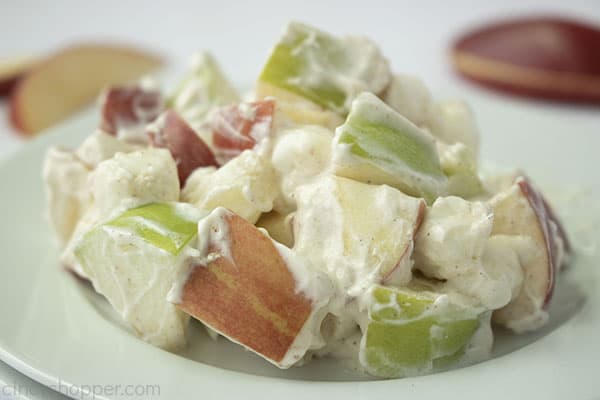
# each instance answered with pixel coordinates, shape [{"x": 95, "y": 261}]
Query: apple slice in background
[
  {"x": 133, "y": 260},
  {"x": 125, "y": 110},
  {"x": 188, "y": 150},
  {"x": 545, "y": 57},
  {"x": 378, "y": 145},
  {"x": 520, "y": 210},
  {"x": 417, "y": 332},
  {"x": 13, "y": 69},
  {"x": 240, "y": 127},
  {"x": 253, "y": 291},
  {"x": 71, "y": 78},
  {"x": 360, "y": 233}
]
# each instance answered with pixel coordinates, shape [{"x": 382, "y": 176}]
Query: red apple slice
[
  {"x": 11, "y": 71},
  {"x": 66, "y": 81},
  {"x": 188, "y": 150},
  {"x": 245, "y": 290},
  {"x": 521, "y": 210},
  {"x": 126, "y": 107},
  {"x": 239, "y": 127},
  {"x": 550, "y": 58}
]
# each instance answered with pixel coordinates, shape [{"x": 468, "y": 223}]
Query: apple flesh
[
  {"x": 357, "y": 231},
  {"x": 66, "y": 188},
  {"x": 323, "y": 69},
  {"x": 416, "y": 332},
  {"x": 240, "y": 127},
  {"x": 144, "y": 176},
  {"x": 521, "y": 211},
  {"x": 11, "y": 71},
  {"x": 187, "y": 149},
  {"x": 378, "y": 145},
  {"x": 247, "y": 290},
  {"x": 409, "y": 96},
  {"x": 203, "y": 89},
  {"x": 60, "y": 85},
  {"x": 133, "y": 260},
  {"x": 129, "y": 108},
  {"x": 246, "y": 185}
]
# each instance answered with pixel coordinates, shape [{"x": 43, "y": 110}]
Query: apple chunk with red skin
[
  {"x": 521, "y": 210},
  {"x": 129, "y": 106},
  {"x": 240, "y": 127},
  {"x": 188, "y": 150},
  {"x": 246, "y": 290}
]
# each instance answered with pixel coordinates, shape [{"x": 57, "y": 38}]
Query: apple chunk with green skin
[
  {"x": 240, "y": 127},
  {"x": 324, "y": 69},
  {"x": 363, "y": 233},
  {"x": 188, "y": 150},
  {"x": 521, "y": 211},
  {"x": 252, "y": 290},
  {"x": 204, "y": 88},
  {"x": 415, "y": 332},
  {"x": 133, "y": 261},
  {"x": 378, "y": 145}
]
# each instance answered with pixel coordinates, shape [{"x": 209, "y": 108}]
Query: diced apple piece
[
  {"x": 409, "y": 96},
  {"x": 133, "y": 261},
  {"x": 203, "y": 89},
  {"x": 253, "y": 291},
  {"x": 279, "y": 227},
  {"x": 417, "y": 332},
  {"x": 187, "y": 149},
  {"x": 326, "y": 70},
  {"x": 125, "y": 110},
  {"x": 100, "y": 146},
  {"x": 60, "y": 85},
  {"x": 298, "y": 109},
  {"x": 378, "y": 145},
  {"x": 143, "y": 176},
  {"x": 11, "y": 70},
  {"x": 247, "y": 185},
  {"x": 299, "y": 155},
  {"x": 452, "y": 122},
  {"x": 359, "y": 233},
  {"x": 520, "y": 211},
  {"x": 240, "y": 127},
  {"x": 459, "y": 165},
  {"x": 450, "y": 246},
  {"x": 67, "y": 194}
]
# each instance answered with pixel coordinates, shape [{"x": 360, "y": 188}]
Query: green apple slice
[
  {"x": 378, "y": 145},
  {"x": 133, "y": 261},
  {"x": 324, "y": 69},
  {"x": 203, "y": 89},
  {"x": 414, "y": 332}
]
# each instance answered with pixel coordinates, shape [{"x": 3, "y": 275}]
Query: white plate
[{"x": 55, "y": 330}]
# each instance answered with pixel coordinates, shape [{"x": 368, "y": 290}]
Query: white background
[{"x": 415, "y": 35}]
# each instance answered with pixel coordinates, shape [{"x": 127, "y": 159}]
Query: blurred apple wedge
[
  {"x": 415, "y": 332},
  {"x": 378, "y": 145},
  {"x": 58, "y": 86},
  {"x": 134, "y": 259},
  {"x": 11, "y": 70},
  {"x": 253, "y": 290}
]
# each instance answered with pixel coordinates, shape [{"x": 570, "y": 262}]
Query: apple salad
[{"x": 336, "y": 211}]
